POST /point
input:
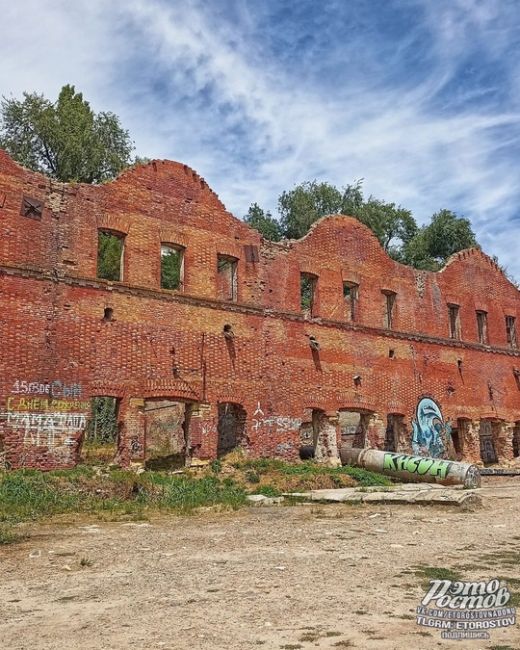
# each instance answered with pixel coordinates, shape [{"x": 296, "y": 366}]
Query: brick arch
[{"x": 117, "y": 223}]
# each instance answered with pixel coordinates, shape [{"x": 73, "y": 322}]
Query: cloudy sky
[{"x": 420, "y": 98}]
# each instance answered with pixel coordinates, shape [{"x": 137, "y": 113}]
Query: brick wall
[{"x": 58, "y": 350}]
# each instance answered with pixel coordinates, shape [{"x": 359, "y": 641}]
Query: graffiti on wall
[
  {"x": 46, "y": 414},
  {"x": 430, "y": 431},
  {"x": 273, "y": 424}
]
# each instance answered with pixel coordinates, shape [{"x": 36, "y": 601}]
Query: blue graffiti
[{"x": 429, "y": 430}]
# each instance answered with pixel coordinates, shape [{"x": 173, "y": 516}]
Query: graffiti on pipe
[{"x": 416, "y": 465}]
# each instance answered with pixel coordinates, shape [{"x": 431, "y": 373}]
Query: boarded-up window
[
  {"x": 350, "y": 294},
  {"x": 308, "y": 283},
  {"x": 388, "y": 320},
  {"x": 488, "y": 437},
  {"x": 454, "y": 319},
  {"x": 227, "y": 281},
  {"x": 511, "y": 331},
  {"x": 482, "y": 327},
  {"x": 172, "y": 267},
  {"x": 110, "y": 255},
  {"x": 251, "y": 253}
]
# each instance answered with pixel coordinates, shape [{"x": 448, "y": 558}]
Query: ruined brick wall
[{"x": 58, "y": 349}]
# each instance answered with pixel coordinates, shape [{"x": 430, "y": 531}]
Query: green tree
[
  {"x": 64, "y": 139},
  {"x": 427, "y": 247},
  {"x": 447, "y": 234},
  {"x": 307, "y": 202},
  {"x": 171, "y": 268},
  {"x": 102, "y": 425},
  {"x": 433, "y": 244},
  {"x": 110, "y": 255},
  {"x": 263, "y": 222},
  {"x": 393, "y": 226}
]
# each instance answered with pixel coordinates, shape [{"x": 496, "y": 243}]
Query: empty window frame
[
  {"x": 511, "y": 331},
  {"x": 110, "y": 255},
  {"x": 482, "y": 327},
  {"x": 172, "y": 267},
  {"x": 227, "y": 278},
  {"x": 350, "y": 294},
  {"x": 454, "y": 320},
  {"x": 308, "y": 283},
  {"x": 389, "y": 305}
]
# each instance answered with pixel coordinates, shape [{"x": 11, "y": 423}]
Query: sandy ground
[{"x": 308, "y": 576}]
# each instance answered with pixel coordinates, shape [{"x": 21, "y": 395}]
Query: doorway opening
[
  {"x": 394, "y": 429},
  {"x": 488, "y": 435},
  {"x": 166, "y": 433},
  {"x": 231, "y": 427},
  {"x": 353, "y": 426},
  {"x": 101, "y": 433}
]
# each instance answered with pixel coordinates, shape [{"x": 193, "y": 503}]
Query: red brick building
[{"x": 268, "y": 346}]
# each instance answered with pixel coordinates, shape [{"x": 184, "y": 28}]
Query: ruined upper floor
[{"x": 337, "y": 273}]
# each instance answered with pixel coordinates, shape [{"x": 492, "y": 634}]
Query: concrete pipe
[{"x": 413, "y": 468}]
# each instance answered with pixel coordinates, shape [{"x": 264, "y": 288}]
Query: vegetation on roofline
[
  {"x": 67, "y": 140},
  {"x": 423, "y": 247}
]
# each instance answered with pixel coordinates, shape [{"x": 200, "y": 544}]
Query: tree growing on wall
[
  {"x": 64, "y": 139},
  {"x": 427, "y": 247},
  {"x": 262, "y": 221}
]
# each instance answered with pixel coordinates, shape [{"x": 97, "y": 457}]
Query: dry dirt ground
[{"x": 307, "y": 576}]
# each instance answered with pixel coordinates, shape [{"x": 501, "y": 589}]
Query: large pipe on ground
[{"x": 413, "y": 468}]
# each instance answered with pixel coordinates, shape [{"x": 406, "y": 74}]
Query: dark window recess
[
  {"x": 511, "y": 331},
  {"x": 3, "y": 197},
  {"x": 454, "y": 318},
  {"x": 390, "y": 297},
  {"x": 251, "y": 253},
  {"x": 308, "y": 283},
  {"x": 110, "y": 256},
  {"x": 230, "y": 428},
  {"x": 227, "y": 281},
  {"x": 108, "y": 313},
  {"x": 516, "y": 440},
  {"x": 350, "y": 294},
  {"x": 31, "y": 208},
  {"x": 172, "y": 267},
  {"x": 482, "y": 327}
]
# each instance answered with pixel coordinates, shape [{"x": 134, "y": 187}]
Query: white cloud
[{"x": 193, "y": 86}]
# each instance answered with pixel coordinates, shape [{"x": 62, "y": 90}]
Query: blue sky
[{"x": 420, "y": 98}]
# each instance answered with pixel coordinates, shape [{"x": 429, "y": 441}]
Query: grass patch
[
  {"x": 114, "y": 494},
  {"x": 8, "y": 534},
  {"x": 437, "y": 573},
  {"x": 27, "y": 495},
  {"x": 255, "y": 468},
  {"x": 268, "y": 491}
]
